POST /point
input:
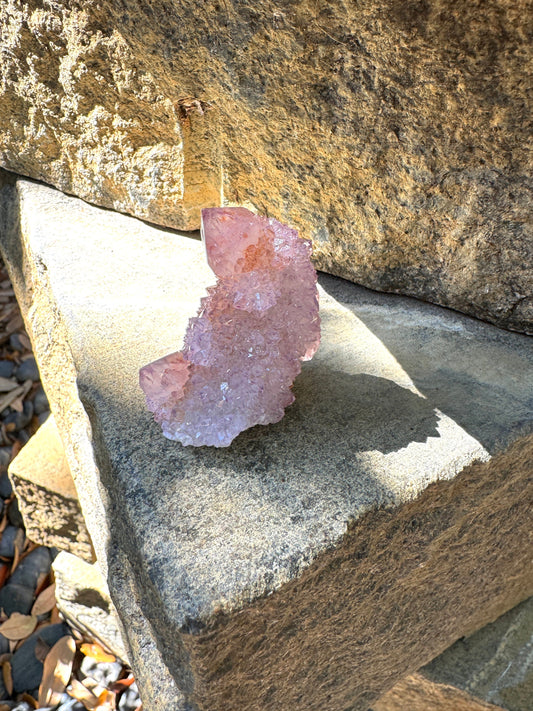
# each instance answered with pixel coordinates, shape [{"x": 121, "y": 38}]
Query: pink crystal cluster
[{"x": 244, "y": 348}]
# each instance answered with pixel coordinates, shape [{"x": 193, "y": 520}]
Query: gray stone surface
[
  {"x": 83, "y": 598},
  {"x": 417, "y": 693},
  {"x": 491, "y": 669},
  {"x": 197, "y": 543},
  {"x": 494, "y": 664}
]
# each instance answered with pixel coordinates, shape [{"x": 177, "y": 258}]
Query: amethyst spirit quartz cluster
[{"x": 244, "y": 349}]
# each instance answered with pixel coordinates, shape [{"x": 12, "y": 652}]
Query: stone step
[
  {"x": 492, "y": 665},
  {"x": 316, "y": 562},
  {"x": 47, "y": 494}
]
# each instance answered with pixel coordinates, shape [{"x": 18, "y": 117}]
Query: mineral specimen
[{"x": 244, "y": 349}]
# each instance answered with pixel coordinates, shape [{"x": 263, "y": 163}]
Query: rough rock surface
[
  {"x": 494, "y": 664},
  {"x": 47, "y": 495},
  {"x": 83, "y": 599},
  {"x": 417, "y": 693},
  {"x": 244, "y": 348},
  {"x": 395, "y": 134},
  {"x": 492, "y": 667},
  {"x": 362, "y": 512}
]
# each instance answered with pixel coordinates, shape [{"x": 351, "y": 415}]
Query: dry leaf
[
  {"x": 14, "y": 324},
  {"x": 56, "y": 671},
  {"x": 43, "y": 581},
  {"x": 18, "y": 406},
  {"x": 56, "y": 616},
  {"x": 18, "y": 626},
  {"x": 41, "y": 649},
  {"x": 8, "y": 399},
  {"x": 5, "y": 657},
  {"x": 30, "y": 700},
  {"x": 92, "y": 685},
  {"x": 7, "y": 677},
  {"x": 122, "y": 684},
  {"x": 15, "y": 449},
  {"x": 96, "y": 652},
  {"x": 106, "y": 701},
  {"x": 6, "y": 385},
  {"x": 81, "y": 693},
  {"x": 23, "y": 338},
  {"x": 4, "y": 572},
  {"x": 18, "y": 547},
  {"x": 45, "y": 602}
]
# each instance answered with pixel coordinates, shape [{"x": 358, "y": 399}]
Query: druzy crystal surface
[{"x": 244, "y": 348}]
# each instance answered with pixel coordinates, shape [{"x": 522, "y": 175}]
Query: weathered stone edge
[
  {"x": 53, "y": 355},
  {"x": 412, "y": 579}
]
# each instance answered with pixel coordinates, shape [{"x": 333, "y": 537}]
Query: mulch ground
[{"x": 44, "y": 662}]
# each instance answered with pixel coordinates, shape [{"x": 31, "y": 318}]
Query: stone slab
[
  {"x": 315, "y": 562},
  {"x": 491, "y": 669},
  {"x": 83, "y": 599},
  {"x": 417, "y": 693},
  {"x": 47, "y": 494},
  {"x": 395, "y": 134},
  {"x": 494, "y": 664}
]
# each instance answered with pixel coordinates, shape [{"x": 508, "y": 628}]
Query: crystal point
[{"x": 244, "y": 348}]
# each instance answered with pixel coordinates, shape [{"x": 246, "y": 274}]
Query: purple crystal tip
[{"x": 244, "y": 349}]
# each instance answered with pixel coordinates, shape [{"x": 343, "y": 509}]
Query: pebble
[
  {"x": 13, "y": 514},
  {"x": 16, "y": 598},
  {"x": 20, "y": 419},
  {"x": 69, "y": 704},
  {"x": 6, "y": 488},
  {"x": 5, "y": 456},
  {"x": 6, "y": 368},
  {"x": 40, "y": 401},
  {"x": 23, "y": 436},
  {"x": 105, "y": 673},
  {"x": 14, "y": 342},
  {"x": 29, "y": 569},
  {"x": 26, "y": 669},
  {"x": 130, "y": 699},
  {"x": 28, "y": 370},
  {"x": 43, "y": 417},
  {"x": 3, "y": 690},
  {"x": 7, "y": 542}
]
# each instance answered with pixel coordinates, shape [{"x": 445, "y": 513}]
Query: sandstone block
[
  {"x": 47, "y": 495},
  {"x": 315, "y": 562},
  {"x": 396, "y": 135}
]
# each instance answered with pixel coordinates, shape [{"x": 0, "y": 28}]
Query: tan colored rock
[
  {"x": 81, "y": 109},
  {"x": 416, "y": 693},
  {"x": 394, "y": 134},
  {"x": 47, "y": 495}
]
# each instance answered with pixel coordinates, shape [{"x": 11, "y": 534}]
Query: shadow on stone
[
  {"x": 358, "y": 412},
  {"x": 476, "y": 373}
]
